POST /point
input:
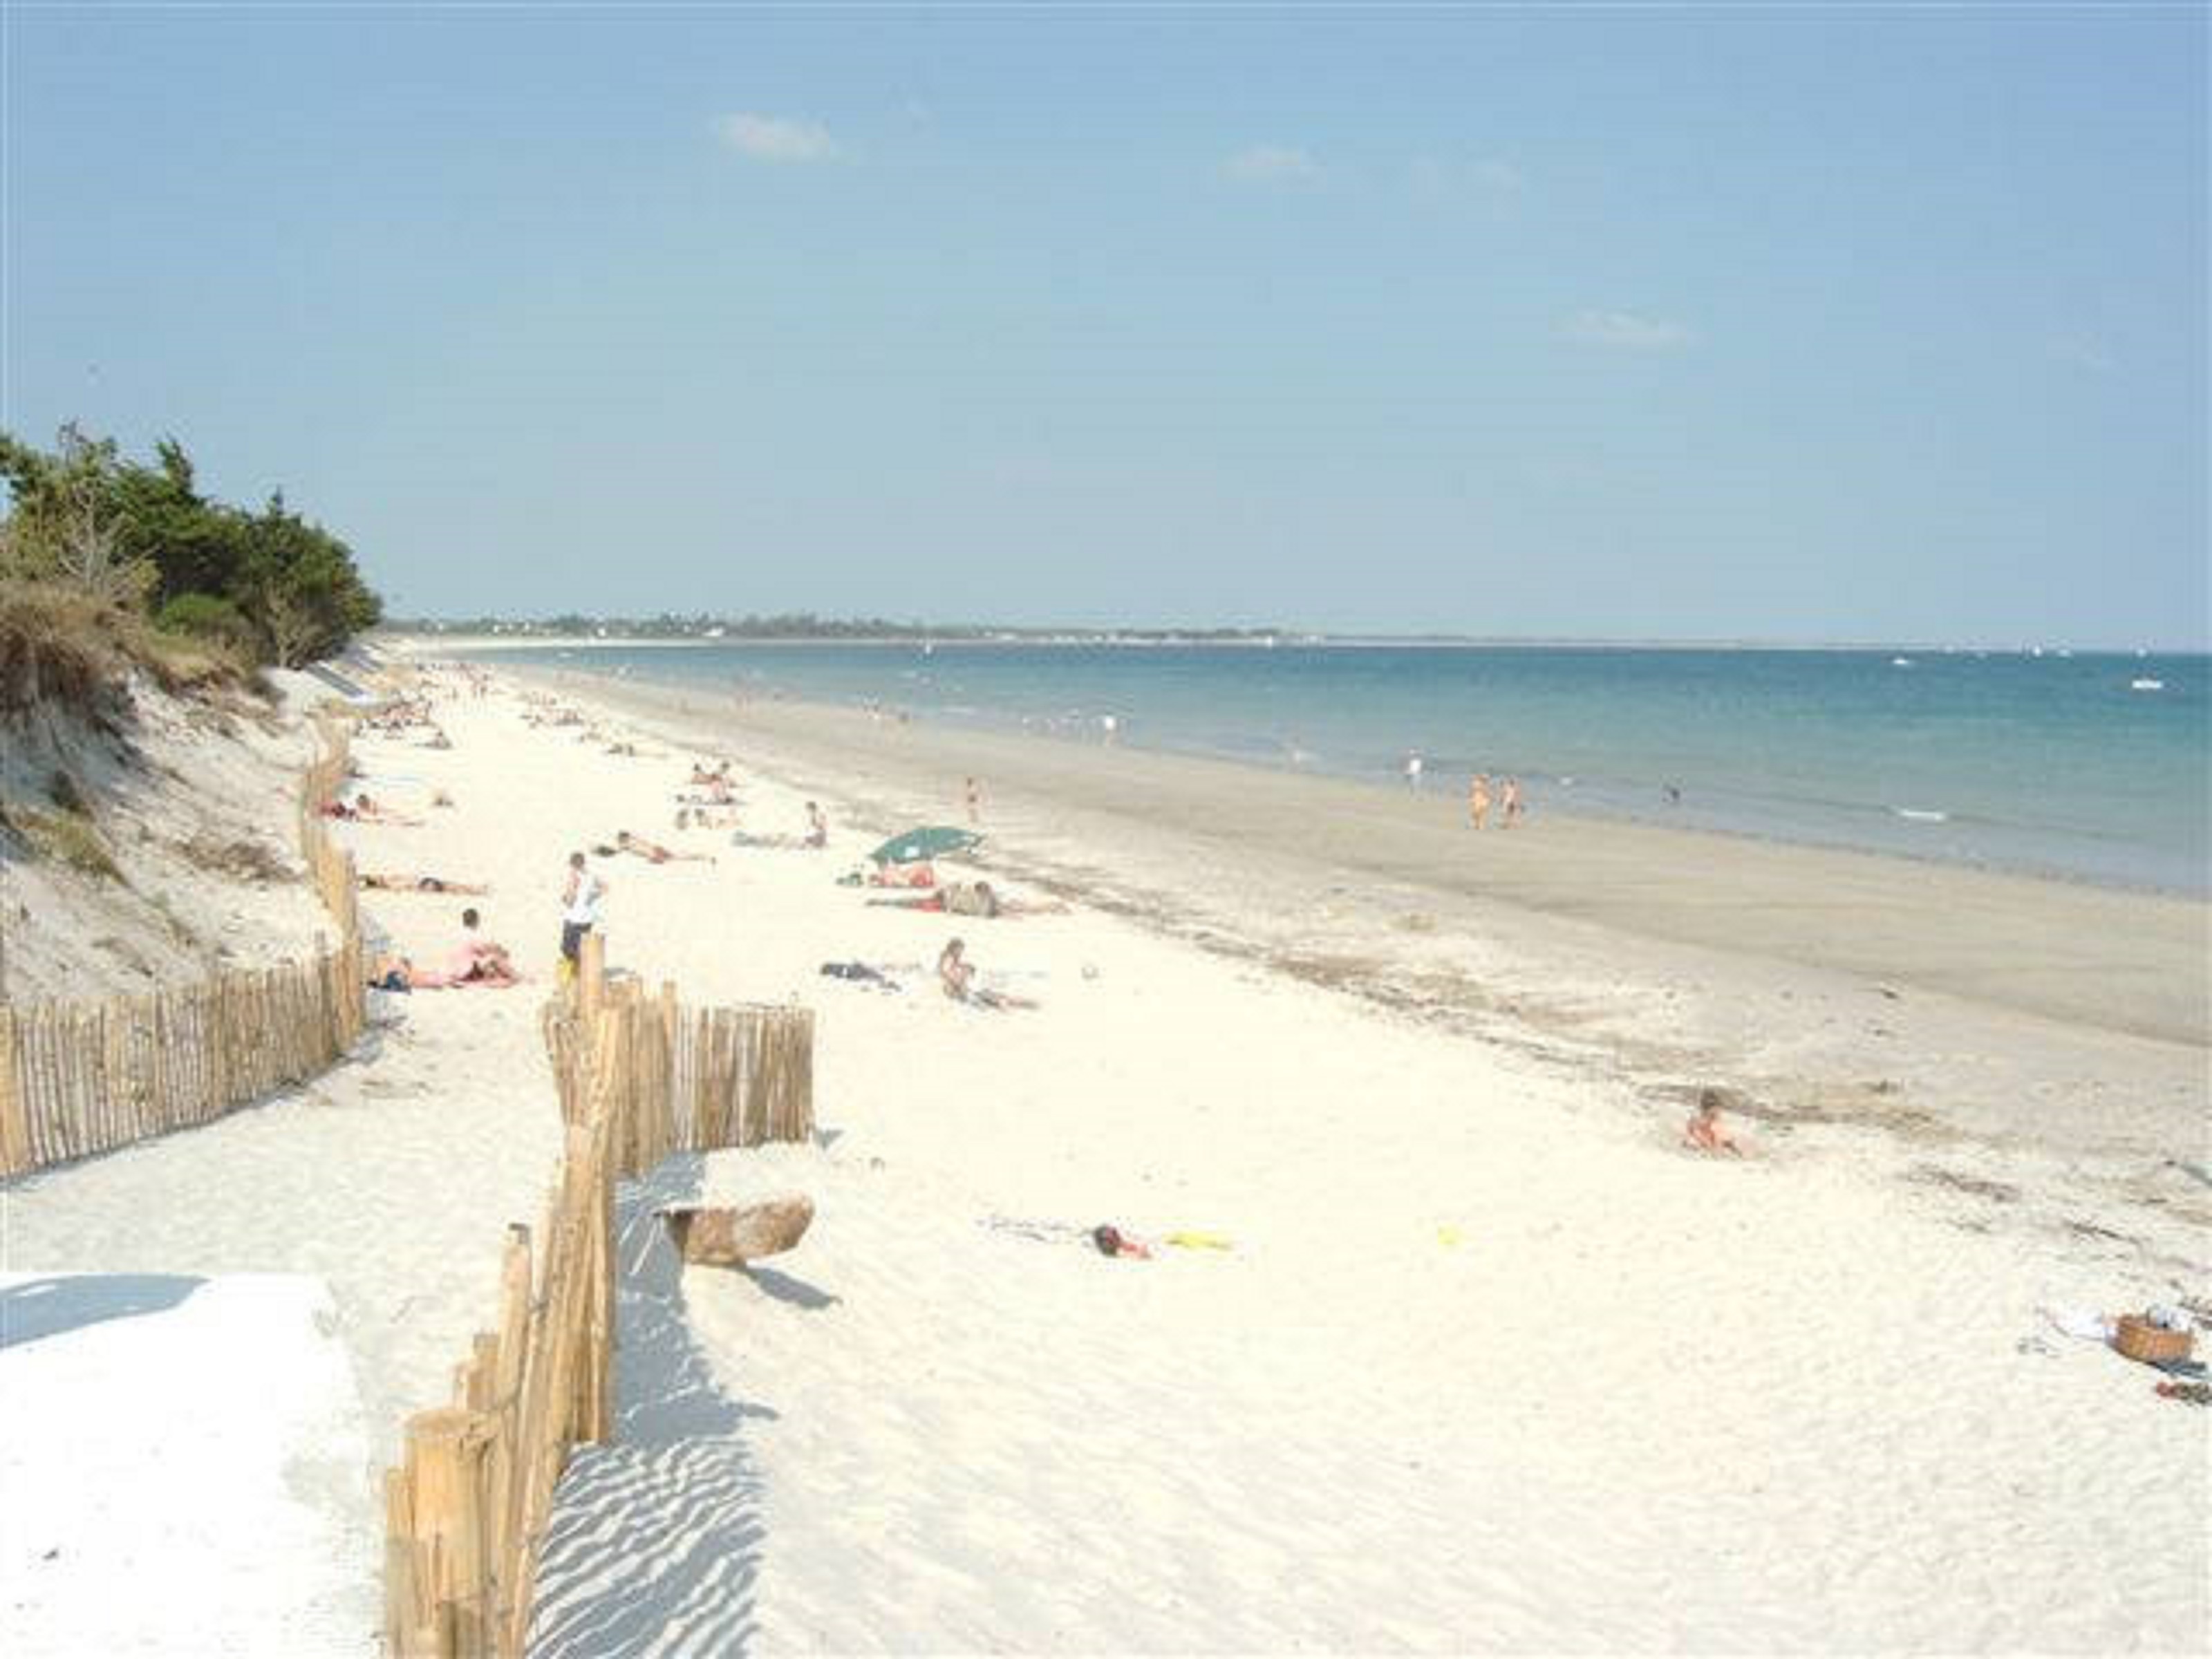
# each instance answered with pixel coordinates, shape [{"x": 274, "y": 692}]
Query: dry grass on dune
[{"x": 67, "y": 650}]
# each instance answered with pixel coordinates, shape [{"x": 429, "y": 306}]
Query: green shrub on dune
[{"x": 269, "y": 587}]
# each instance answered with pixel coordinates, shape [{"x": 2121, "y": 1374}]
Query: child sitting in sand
[
  {"x": 958, "y": 974},
  {"x": 1704, "y": 1132}
]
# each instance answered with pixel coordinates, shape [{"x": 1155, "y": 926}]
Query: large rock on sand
[{"x": 730, "y": 1236}]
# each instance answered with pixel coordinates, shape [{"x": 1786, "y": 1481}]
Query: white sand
[
  {"x": 173, "y": 1445},
  {"x": 1490, "y": 1366}
]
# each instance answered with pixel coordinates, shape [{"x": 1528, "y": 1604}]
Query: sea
[{"x": 2088, "y": 767}]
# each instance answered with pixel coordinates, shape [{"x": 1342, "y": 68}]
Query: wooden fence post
[
  {"x": 590, "y": 974},
  {"x": 15, "y": 1122},
  {"x": 445, "y": 1468}
]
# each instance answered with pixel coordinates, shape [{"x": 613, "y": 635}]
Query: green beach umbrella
[{"x": 932, "y": 840}]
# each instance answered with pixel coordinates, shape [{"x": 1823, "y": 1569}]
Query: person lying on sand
[
  {"x": 962, "y": 898},
  {"x": 438, "y": 739},
  {"x": 718, "y": 774},
  {"x": 958, "y": 974},
  {"x": 652, "y": 851},
  {"x": 399, "y": 973},
  {"x": 389, "y": 883},
  {"x": 367, "y": 811},
  {"x": 1704, "y": 1132}
]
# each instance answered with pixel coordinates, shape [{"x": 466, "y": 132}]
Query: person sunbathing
[
  {"x": 980, "y": 898},
  {"x": 902, "y": 875},
  {"x": 376, "y": 882},
  {"x": 652, "y": 851},
  {"x": 400, "y": 974},
  {"x": 1704, "y": 1132},
  {"x": 960, "y": 898},
  {"x": 367, "y": 811},
  {"x": 958, "y": 975}
]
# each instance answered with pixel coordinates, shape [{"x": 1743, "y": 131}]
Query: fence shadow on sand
[{"x": 656, "y": 1537}]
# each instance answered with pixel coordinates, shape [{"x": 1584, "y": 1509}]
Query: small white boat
[
  {"x": 2146, "y": 685},
  {"x": 1900, "y": 662}
]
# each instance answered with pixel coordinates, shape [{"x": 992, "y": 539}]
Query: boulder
[{"x": 729, "y": 1236}]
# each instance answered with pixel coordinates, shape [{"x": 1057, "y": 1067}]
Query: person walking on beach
[
  {"x": 975, "y": 802},
  {"x": 579, "y": 910},
  {"x": 1414, "y": 768},
  {"x": 1478, "y": 800},
  {"x": 1512, "y": 802}
]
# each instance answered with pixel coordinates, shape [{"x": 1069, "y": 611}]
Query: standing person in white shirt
[{"x": 580, "y": 909}]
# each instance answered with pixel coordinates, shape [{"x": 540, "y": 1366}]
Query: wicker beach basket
[{"x": 2138, "y": 1339}]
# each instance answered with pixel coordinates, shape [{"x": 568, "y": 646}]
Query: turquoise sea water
[{"x": 2050, "y": 763}]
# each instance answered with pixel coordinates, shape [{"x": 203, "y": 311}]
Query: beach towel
[
  {"x": 2078, "y": 1322},
  {"x": 1197, "y": 1240}
]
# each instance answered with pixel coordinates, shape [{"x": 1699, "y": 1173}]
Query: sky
[{"x": 1790, "y": 323}]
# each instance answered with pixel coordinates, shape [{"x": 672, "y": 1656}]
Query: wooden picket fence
[
  {"x": 329, "y": 866},
  {"x": 638, "y": 1078},
  {"x": 87, "y": 1077},
  {"x": 686, "y": 1080}
]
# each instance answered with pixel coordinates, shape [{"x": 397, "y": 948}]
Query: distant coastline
[{"x": 415, "y": 636}]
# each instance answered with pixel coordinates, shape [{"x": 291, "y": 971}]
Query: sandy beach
[{"x": 1460, "y": 1351}]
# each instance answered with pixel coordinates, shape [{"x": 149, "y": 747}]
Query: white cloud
[
  {"x": 773, "y": 138},
  {"x": 1271, "y": 164},
  {"x": 1625, "y": 330}
]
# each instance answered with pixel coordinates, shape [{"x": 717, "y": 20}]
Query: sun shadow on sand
[
  {"x": 40, "y": 1307},
  {"x": 796, "y": 1291},
  {"x": 655, "y": 1540}
]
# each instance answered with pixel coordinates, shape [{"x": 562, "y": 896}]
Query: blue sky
[{"x": 1795, "y": 323}]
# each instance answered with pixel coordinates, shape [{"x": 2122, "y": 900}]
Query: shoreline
[
  {"x": 2013, "y": 1051},
  {"x": 1917, "y": 826},
  {"x": 2169, "y": 998}
]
